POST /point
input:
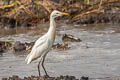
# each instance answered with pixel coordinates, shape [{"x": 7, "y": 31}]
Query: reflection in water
[
  {"x": 33, "y": 30},
  {"x": 42, "y": 28},
  {"x": 101, "y": 28}
]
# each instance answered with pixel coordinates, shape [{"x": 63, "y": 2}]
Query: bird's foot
[
  {"x": 47, "y": 76},
  {"x": 39, "y": 75}
]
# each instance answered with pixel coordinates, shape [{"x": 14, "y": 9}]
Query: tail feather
[{"x": 28, "y": 59}]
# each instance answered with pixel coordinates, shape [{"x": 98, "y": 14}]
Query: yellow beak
[{"x": 66, "y": 14}]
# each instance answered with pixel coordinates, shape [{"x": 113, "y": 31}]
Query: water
[{"x": 97, "y": 56}]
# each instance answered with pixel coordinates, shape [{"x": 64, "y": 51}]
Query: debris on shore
[
  {"x": 59, "y": 46},
  {"x": 19, "y": 47},
  {"x": 4, "y": 46},
  {"x": 28, "y": 13},
  {"x": 68, "y": 38},
  {"x": 15, "y": 77}
]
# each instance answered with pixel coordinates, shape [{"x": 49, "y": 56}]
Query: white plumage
[{"x": 44, "y": 43}]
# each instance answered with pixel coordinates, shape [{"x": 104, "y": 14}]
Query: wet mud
[
  {"x": 19, "y": 47},
  {"x": 4, "y": 46},
  {"x": 95, "y": 56},
  {"x": 15, "y": 77},
  {"x": 43, "y": 78}
]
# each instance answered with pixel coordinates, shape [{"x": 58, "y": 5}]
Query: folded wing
[{"x": 40, "y": 47}]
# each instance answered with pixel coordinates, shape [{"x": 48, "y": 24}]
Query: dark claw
[{"x": 47, "y": 76}]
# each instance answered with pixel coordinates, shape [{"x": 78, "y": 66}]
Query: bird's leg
[
  {"x": 43, "y": 66},
  {"x": 39, "y": 68}
]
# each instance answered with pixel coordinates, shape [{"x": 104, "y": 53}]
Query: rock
[
  {"x": 66, "y": 38},
  {"x": 84, "y": 78},
  {"x": 22, "y": 48},
  {"x": 18, "y": 46}
]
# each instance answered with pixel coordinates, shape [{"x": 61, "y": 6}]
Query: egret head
[{"x": 56, "y": 13}]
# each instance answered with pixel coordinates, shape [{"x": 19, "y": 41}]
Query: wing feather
[{"x": 38, "y": 49}]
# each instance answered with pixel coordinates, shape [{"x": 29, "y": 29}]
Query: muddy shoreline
[
  {"x": 67, "y": 77},
  {"x": 15, "y": 77}
]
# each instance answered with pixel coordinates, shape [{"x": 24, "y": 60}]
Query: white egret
[{"x": 44, "y": 43}]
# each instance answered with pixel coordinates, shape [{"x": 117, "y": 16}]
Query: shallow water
[{"x": 97, "y": 56}]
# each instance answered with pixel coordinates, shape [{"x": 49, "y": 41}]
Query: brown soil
[
  {"x": 28, "y": 13},
  {"x": 107, "y": 14},
  {"x": 14, "y": 77}
]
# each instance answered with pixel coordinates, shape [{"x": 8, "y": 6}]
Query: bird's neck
[
  {"x": 52, "y": 22},
  {"x": 52, "y": 29}
]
